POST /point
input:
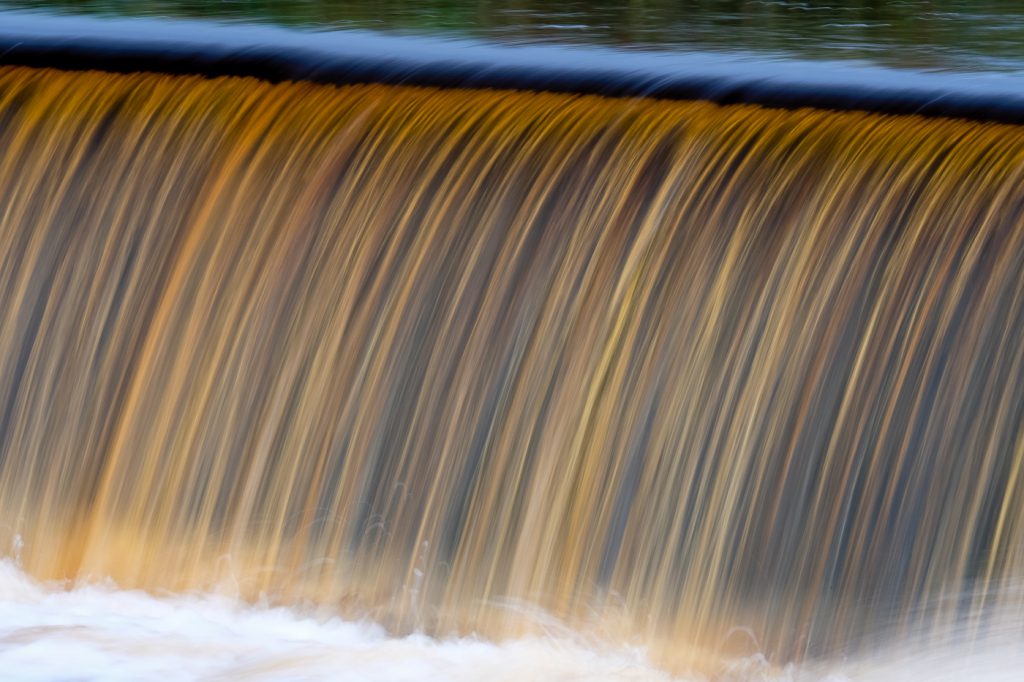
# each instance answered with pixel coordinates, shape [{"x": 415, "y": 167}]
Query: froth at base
[
  {"x": 98, "y": 631},
  {"x": 101, "y": 632}
]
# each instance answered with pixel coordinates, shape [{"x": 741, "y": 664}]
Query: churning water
[{"x": 99, "y": 632}]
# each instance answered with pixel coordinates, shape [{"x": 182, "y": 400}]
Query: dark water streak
[{"x": 350, "y": 57}]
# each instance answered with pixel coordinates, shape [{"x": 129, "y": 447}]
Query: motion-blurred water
[
  {"x": 98, "y": 632},
  {"x": 542, "y": 376}
]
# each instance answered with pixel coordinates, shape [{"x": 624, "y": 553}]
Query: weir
[{"x": 463, "y": 360}]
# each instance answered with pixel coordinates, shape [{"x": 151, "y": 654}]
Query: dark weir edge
[{"x": 348, "y": 57}]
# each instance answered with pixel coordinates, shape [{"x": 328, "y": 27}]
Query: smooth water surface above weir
[
  {"x": 356, "y": 56},
  {"x": 968, "y": 35}
]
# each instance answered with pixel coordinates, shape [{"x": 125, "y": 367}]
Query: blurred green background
[{"x": 966, "y": 35}]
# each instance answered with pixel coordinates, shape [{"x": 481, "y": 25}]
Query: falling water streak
[{"x": 664, "y": 370}]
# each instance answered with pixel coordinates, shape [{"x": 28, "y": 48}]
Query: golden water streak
[{"x": 426, "y": 354}]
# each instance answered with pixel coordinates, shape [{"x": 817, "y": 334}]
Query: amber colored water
[{"x": 708, "y": 378}]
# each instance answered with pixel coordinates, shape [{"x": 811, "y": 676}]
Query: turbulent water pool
[
  {"x": 48, "y": 632},
  {"x": 99, "y": 632}
]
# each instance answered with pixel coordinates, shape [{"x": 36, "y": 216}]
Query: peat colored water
[
  {"x": 734, "y": 369},
  {"x": 659, "y": 369}
]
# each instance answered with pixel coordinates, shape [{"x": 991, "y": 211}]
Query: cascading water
[{"x": 671, "y": 372}]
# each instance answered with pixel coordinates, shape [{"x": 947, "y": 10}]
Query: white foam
[{"x": 99, "y": 632}]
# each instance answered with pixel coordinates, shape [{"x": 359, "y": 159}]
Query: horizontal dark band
[{"x": 339, "y": 57}]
